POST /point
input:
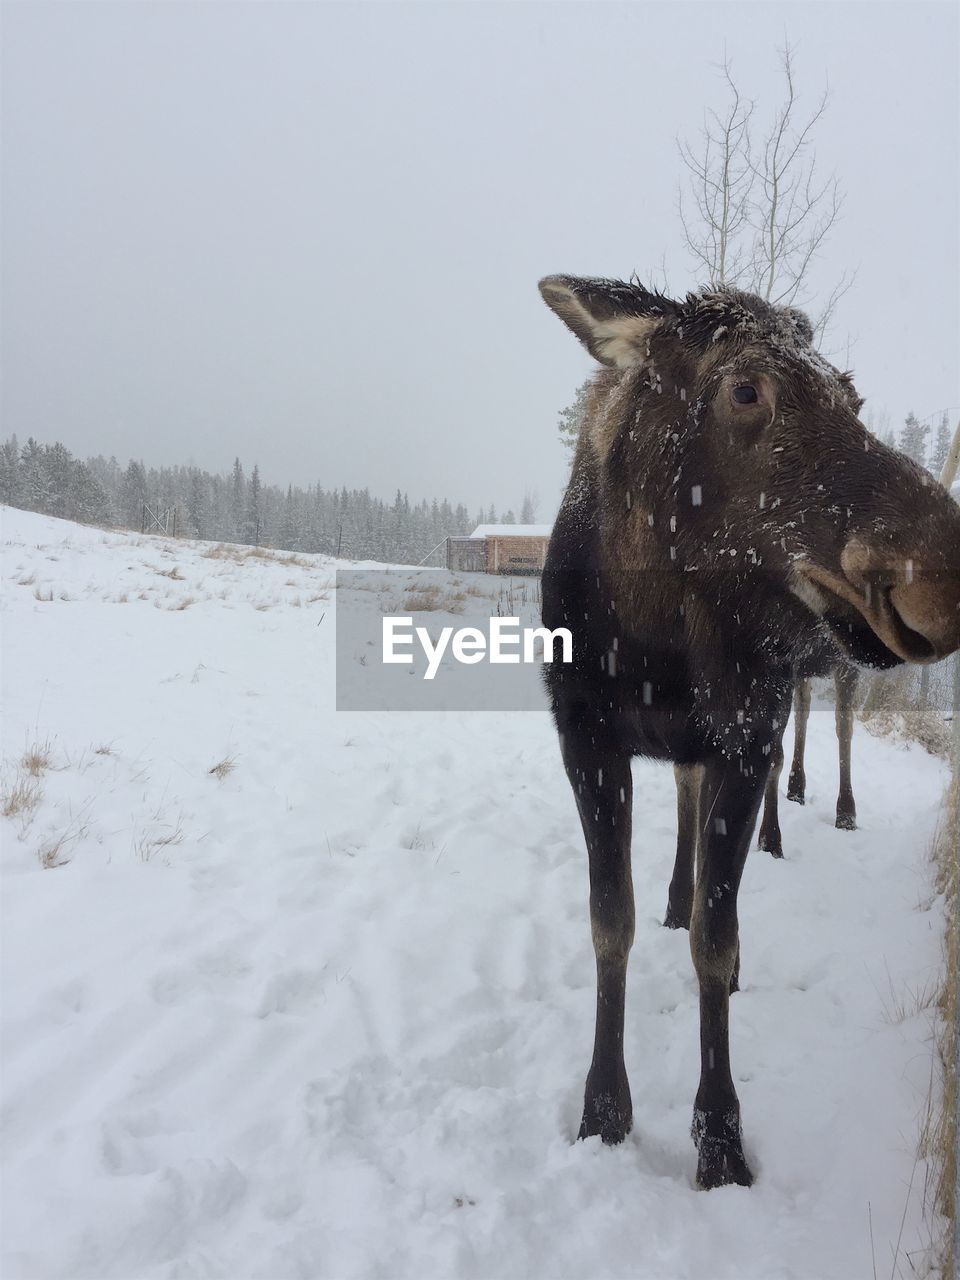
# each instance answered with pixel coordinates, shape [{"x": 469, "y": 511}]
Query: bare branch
[
  {"x": 759, "y": 216},
  {"x": 721, "y": 177}
]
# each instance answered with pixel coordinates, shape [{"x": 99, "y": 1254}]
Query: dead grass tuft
[
  {"x": 55, "y": 853},
  {"x": 36, "y": 759},
  {"x": 431, "y": 599},
  {"x": 417, "y": 841},
  {"x": 938, "y": 1138},
  {"x": 20, "y": 797},
  {"x": 889, "y": 710},
  {"x": 163, "y": 836},
  {"x": 224, "y": 768},
  {"x": 906, "y": 1004},
  {"x": 890, "y": 707},
  {"x": 173, "y": 574},
  {"x": 45, "y": 595}
]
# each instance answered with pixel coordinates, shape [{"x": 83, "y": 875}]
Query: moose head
[{"x": 743, "y": 441}]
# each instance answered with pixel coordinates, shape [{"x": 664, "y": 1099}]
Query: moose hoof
[
  {"x": 846, "y": 822},
  {"x": 607, "y": 1114},
  {"x": 797, "y": 795},
  {"x": 722, "y": 1165},
  {"x": 771, "y": 844},
  {"x": 677, "y": 917},
  {"x": 721, "y": 1160}
]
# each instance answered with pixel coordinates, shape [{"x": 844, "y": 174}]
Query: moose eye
[{"x": 745, "y": 394}]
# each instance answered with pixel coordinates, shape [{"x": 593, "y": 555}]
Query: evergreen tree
[
  {"x": 941, "y": 445},
  {"x": 398, "y": 529},
  {"x": 913, "y": 439},
  {"x": 33, "y": 477},
  {"x": 10, "y": 476},
  {"x": 87, "y": 499},
  {"x": 133, "y": 494},
  {"x": 253, "y": 520},
  {"x": 571, "y": 419},
  {"x": 237, "y": 502},
  {"x": 197, "y": 505},
  {"x": 58, "y": 465},
  {"x": 288, "y": 534},
  {"x": 107, "y": 473}
]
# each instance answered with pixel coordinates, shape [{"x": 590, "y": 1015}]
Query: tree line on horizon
[{"x": 236, "y": 506}]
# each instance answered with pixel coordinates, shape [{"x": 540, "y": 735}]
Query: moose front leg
[
  {"x": 603, "y": 786},
  {"x": 797, "y": 782},
  {"x": 729, "y": 803},
  {"x": 846, "y": 679}
]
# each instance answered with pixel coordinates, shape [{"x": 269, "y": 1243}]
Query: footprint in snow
[{"x": 293, "y": 991}]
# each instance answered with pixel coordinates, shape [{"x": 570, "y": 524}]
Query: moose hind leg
[
  {"x": 680, "y": 895},
  {"x": 797, "y": 782},
  {"x": 770, "y": 839},
  {"x": 603, "y": 787},
  {"x": 846, "y": 679},
  {"x": 730, "y": 801}
]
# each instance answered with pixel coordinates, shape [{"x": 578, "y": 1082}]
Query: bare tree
[
  {"x": 761, "y": 213},
  {"x": 717, "y": 230}
]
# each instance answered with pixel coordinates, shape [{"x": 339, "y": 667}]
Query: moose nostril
[
  {"x": 868, "y": 573},
  {"x": 913, "y": 640}
]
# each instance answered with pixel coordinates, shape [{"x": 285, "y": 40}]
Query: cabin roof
[{"x": 511, "y": 531}]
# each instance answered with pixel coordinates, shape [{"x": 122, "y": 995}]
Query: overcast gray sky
[{"x": 310, "y": 234}]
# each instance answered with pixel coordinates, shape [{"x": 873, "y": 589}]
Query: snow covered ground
[{"x": 327, "y": 1012}]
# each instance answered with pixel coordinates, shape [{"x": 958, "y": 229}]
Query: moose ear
[{"x": 614, "y": 320}]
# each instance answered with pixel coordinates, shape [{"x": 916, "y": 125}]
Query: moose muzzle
[{"x": 913, "y": 608}]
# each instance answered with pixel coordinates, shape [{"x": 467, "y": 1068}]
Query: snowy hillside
[{"x": 290, "y": 992}]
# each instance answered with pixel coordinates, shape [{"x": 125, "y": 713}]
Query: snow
[
  {"x": 512, "y": 531},
  {"x": 330, "y": 1015}
]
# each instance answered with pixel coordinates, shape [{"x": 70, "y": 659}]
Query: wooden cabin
[{"x": 500, "y": 548}]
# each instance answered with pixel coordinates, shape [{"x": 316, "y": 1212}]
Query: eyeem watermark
[
  {"x": 507, "y": 642},
  {"x": 439, "y": 640}
]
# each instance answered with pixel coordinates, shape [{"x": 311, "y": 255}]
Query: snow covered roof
[{"x": 511, "y": 531}]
